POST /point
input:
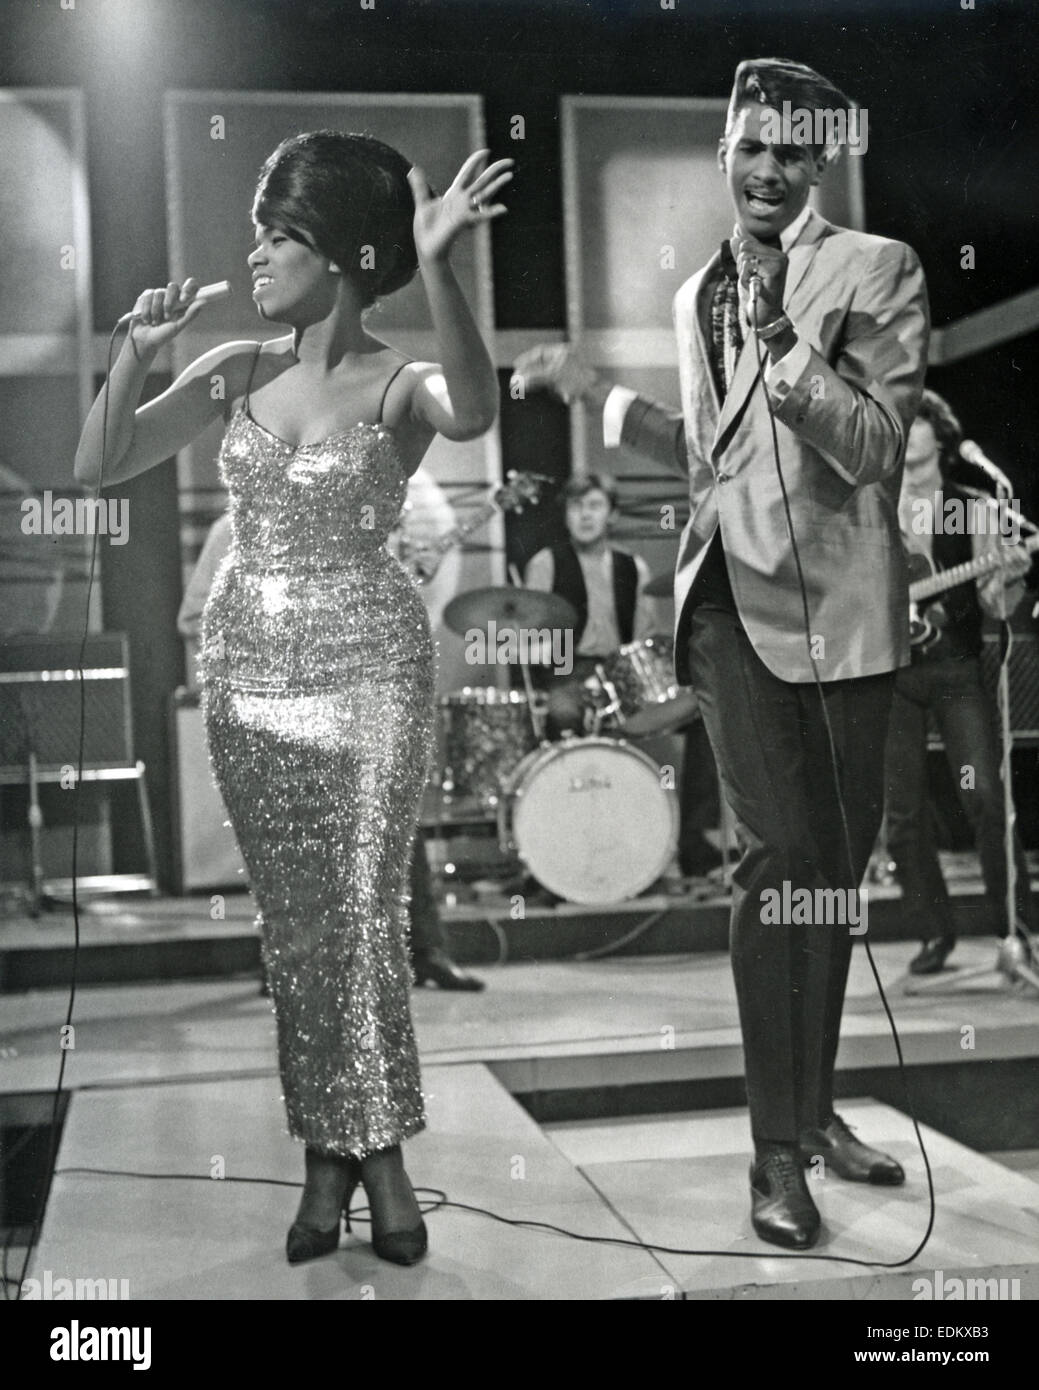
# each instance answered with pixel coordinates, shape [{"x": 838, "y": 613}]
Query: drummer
[{"x": 606, "y": 586}]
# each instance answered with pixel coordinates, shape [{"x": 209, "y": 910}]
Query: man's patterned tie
[
  {"x": 726, "y": 330},
  {"x": 726, "y": 320}
]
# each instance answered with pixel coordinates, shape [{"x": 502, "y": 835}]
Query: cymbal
[
  {"x": 508, "y": 607},
  {"x": 661, "y": 586}
]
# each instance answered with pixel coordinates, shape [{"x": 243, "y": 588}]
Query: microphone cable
[
  {"x": 759, "y": 355},
  {"x": 67, "y": 1033},
  {"x": 439, "y": 1198}
]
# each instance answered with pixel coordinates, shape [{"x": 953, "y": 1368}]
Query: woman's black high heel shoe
[
  {"x": 404, "y": 1247},
  {"x": 305, "y": 1243},
  {"x": 401, "y": 1247}
]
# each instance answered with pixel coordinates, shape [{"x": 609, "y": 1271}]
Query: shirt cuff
[
  {"x": 613, "y": 413},
  {"x": 780, "y": 376}
]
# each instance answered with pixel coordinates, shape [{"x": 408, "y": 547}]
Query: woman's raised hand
[
  {"x": 159, "y": 315},
  {"x": 439, "y": 221}
]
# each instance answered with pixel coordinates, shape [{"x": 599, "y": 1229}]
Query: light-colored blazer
[{"x": 860, "y": 302}]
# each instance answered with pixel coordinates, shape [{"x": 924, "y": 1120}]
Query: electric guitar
[
  {"x": 925, "y": 582},
  {"x": 518, "y": 491}
]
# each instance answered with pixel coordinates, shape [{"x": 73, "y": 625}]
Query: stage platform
[
  {"x": 672, "y": 1181},
  {"x": 212, "y": 935},
  {"x": 602, "y": 1097}
]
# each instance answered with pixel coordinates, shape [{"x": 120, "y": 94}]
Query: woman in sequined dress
[{"x": 317, "y": 659}]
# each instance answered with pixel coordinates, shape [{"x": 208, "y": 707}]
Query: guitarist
[{"x": 943, "y": 681}]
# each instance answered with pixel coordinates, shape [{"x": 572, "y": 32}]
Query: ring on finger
[{"x": 476, "y": 205}]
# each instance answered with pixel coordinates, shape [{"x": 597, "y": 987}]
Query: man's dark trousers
[{"x": 771, "y": 746}]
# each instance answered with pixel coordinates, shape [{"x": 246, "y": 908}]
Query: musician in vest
[
  {"x": 843, "y": 323},
  {"x": 605, "y": 585},
  {"x": 944, "y": 683},
  {"x": 426, "y": 515}
]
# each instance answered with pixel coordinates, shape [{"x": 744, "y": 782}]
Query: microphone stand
[{"x": 1015, "y": 516}]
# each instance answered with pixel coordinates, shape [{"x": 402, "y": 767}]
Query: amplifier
[
  {"x": 207, "y": 855},
  {"x": 1024, "y": 681},
  {"x": 47, "y": 702},
  {"x": 40, "y": 702}
]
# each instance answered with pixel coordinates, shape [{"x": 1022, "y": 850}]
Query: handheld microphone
[
  {"x": 219, "y": 290},
  {"x": 971, "y": 453}
]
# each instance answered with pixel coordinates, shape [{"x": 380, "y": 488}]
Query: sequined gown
[{"x": 317, "y": 668}]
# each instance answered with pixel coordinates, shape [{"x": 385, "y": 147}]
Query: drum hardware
[
  {"x": 506, "y": 609},
  {"x": 537, "y": 722},
  {"x": 487, "y": 731},
  {"x": 590, "y": 819},
  {"x": 509, "y": 607},
  {"x": 587, "y": 816},
  {"x": 611, "y": 710},
  {"x": 642, "y": 695}
]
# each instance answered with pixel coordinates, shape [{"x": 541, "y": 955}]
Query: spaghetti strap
[
  {"x": 248, "y": 384},
  {"x": 386, "y": 389}
]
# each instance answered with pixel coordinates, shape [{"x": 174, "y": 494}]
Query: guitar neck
[
  {"x": 959, "y": 574},
  {"x": 459, "y": 532}
]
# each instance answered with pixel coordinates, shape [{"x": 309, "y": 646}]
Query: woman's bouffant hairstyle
[
  {"x": 348, "y": 196},
  {"x": 948, "y": 432}
]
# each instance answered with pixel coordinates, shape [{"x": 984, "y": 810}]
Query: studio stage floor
[{"x": 172, "y": 1078}]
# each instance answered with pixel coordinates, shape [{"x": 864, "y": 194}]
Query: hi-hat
[{"x": 508, "y": 607}]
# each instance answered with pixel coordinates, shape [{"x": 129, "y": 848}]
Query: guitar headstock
[{"x": 519, "y": 490}]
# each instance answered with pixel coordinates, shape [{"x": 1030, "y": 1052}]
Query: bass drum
[{"x": 590, "y": 819}]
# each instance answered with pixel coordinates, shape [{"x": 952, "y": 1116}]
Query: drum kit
[{"x": 590, "y": 816}]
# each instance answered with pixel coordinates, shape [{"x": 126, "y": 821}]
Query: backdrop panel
[{"x": 45, "y": 343}]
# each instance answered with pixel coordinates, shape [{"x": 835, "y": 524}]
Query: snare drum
[
  {"x": 651, "y": 700},
  {"x": 486, "y": 733},
  {"x": 590, "y": 818}
]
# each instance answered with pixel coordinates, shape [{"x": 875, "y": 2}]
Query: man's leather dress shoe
[
  {"x": 782, "y": 1212},
  {"x": 848, "y": 1156}
]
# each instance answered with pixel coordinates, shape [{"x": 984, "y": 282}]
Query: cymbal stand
[{"x": 537, "y": 721}]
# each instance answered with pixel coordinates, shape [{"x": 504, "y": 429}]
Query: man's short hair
[
  {"x": 580, "y": 487},
  {"x": 771, "y": 81},
  {"x": 948, "y": 431}
]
